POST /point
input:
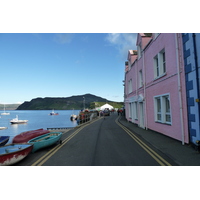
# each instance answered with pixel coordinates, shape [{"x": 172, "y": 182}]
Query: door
[{"x": 141, "y": 122}]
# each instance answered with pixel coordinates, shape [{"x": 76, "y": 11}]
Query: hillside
[
  {"x": 9, "y": 106},
  {"x": 64, "y": 103}
]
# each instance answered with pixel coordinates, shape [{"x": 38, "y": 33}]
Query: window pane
[
  {"x": 167, "y": 104},
  {"x": 157, "y": 66},
  {"x": 159, "y": 117},
  {"x": 158, "y": 105},
  {"x": 168, "y": 118},
  {"x": 164, "y": 67}
]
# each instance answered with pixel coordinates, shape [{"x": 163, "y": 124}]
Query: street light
[{"x": 83, "y": 103}]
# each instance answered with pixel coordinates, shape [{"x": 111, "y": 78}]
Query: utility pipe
[
  {"x": 144, "y": 84},
  {"x": 179, "y": 90}
]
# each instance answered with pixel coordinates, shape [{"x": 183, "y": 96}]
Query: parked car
[{"x": 106, "y": 112}]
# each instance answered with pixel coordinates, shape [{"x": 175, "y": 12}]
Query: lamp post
[{"x": 83, "y": 103}]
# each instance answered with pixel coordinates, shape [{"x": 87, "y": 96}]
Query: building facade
[
  {"x": 191, "y": 49},
  {"x": 155, "y": 91}
]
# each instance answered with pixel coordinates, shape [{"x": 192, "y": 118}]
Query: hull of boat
[
  {"x": 28, "y": 135},
  {"x": 4, "y": 140},
  {"x": 5, "y": 113},
  {"x": 73, "y": 117},
  {"x": 19, "y": 122},
  {"x": 45, "y": 140},
  {"x": 13, "y": 153},
  {"x": 2, "y": 128},
  {"x": 54, "y": 114}
]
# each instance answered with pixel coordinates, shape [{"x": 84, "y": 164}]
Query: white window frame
[
  {"x": 163, "y": 115},
  {"x": 159, "y": 64},
  {"x": 130, "y": 87}
]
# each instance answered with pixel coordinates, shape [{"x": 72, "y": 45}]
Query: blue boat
[
  {"x": 45, "y": 140},
  {"x": 4, "y": 140}
]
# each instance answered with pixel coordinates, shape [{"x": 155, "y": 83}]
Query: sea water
[{"x": 36, "y": 119}]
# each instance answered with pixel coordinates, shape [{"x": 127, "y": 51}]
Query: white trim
[
  {"x": 130, "y": 87},
  {"x": 163, "y": 113},
  {"x": 159, "y": 69}
]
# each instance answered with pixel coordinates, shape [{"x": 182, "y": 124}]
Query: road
[{"x": 104, "y": 142}]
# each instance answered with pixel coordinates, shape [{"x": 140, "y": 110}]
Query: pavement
[{"x": 183, "y": 155}]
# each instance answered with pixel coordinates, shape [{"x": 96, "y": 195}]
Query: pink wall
[{"x": 167, "y": 84}]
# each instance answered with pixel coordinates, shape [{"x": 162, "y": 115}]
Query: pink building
[{"x": 155, "y": 94}]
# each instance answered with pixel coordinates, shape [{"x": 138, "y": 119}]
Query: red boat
[
  {"x": 13, "y": 153},
  {"x": 53, "y": 113},
  {"x": 28, "y": 135}
]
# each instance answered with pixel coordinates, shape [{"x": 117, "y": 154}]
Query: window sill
[
  {"x": 158, "y": 77},
  {"x": 141, "y": 87},
  {"x": 169, "y": 124}
]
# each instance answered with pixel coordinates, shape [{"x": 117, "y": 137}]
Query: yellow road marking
[
  {"x": 150, "y": 151},
  {"x": 45, "y": 157}
]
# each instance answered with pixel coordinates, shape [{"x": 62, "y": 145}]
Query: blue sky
[{"x": 62, "y": 65}]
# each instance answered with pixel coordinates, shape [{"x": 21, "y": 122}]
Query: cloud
[
  {"x": 123, "y": 42},
  {"x": 63, "y": 38},
  {"x": 114, "y": 38}
]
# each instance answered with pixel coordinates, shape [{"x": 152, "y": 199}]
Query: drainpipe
[
  {"x": 137, "y": 92},
  {"x": 179, "y": 90},
  {"x": 144, "y": 84}
]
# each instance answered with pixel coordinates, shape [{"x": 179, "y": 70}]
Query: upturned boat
[
  {"x": 13, "y": 153},
  {"x": 18, "y": 121},
  {"x": 45, "y": 140},
  {"x": 24, "y": 137},
  {"x": 4, "y": 140}
]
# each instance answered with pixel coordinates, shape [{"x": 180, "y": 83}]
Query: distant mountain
[
  {"x": 64, "y": 103},
  {"x": 9, "y": 106}
]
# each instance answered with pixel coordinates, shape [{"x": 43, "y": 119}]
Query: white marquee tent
[{"x": 106, "y": 106}]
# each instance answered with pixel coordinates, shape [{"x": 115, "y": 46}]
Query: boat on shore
[
  {"x": 18, "y": 121},
  {"x": 24, "y": 137},
  {"x": 13, "y": 153},
  {"x": 4, "y": 140},
  {"x": 45, "y": 140}
]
